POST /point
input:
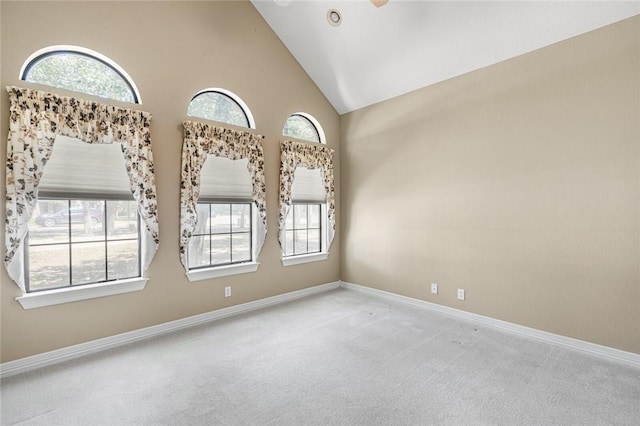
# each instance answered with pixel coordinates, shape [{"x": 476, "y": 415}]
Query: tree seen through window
[{"x": 80, "y": 73}]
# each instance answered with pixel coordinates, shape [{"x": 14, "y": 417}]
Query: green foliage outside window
[
  {"x": 300, "y": 127},
  {"x": 217, "y": 106},
  {"x": 80, "y": 73}
]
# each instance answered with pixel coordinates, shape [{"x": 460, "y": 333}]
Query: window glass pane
[
  {"x": 220, "y": 249},
  {"x": 122, "y": 220},
  {"x": 220, "y": 218},
  {"x": 203, "y": 226},
  {"x": 300, "y": 242},
  {"x": 289, "y": 222},
  {"x": 50, "y": 223},
  {"x": 122, "y": 259},
  {"x": 199, "y": 251},
  {"x": 241, "y": 244},
  {"x": 86, "y": 220},
  {"x": 314, "y": 216},
  {"x": 88, "y": 263},
  {"x": 48, "y": 267},
  {"x": 300, "y": 216},
  {"x": 313, "y": 238},
  {"x": 50, "y": 214},
  {"x": 288, "y": 243},
  {"x": 217, "y": 106},
  {"x": 300, "y": 127},
  {"x": 42, "y": 235},
  {"x": 80, "y": 73},
  {"x": 241, "y": 220}
]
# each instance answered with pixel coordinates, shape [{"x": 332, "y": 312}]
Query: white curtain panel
[
  {"x": 203, "y": 141},
  {"x": 294, "y": 155},
  {"x": 36, "y": 119}
]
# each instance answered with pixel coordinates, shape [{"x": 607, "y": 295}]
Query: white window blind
[
  {"x": 225, "y": 179},
  {"x": 307, "y": 186},
  {"x": 80, "y": 169}
]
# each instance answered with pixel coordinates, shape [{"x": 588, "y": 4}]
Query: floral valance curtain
[
  {"x": 200, "y": 140},
  {"x": 36, "y": 118},
  {"x": 294, "y": 154}
]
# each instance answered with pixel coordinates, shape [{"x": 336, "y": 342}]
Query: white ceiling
[{"x": 379, "y": 53}]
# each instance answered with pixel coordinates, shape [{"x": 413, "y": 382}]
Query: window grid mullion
[
  {"x": 210, "y": 238},
  {"x": 231, "y": 232},
  {"x": 105, "y": 220},
  {"x": 308, "y": 222},
  {"x": 70, "y": 243}
]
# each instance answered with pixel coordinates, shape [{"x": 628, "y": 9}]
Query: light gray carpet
[{"x": 338, "y": 358}]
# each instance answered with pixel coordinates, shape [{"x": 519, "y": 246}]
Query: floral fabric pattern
[
  {"x": 35, "y": 119},
  {"x": 200, "y": 140},
  {"x": 311, "y": 156}
]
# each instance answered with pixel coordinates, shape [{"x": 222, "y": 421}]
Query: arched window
[
  {"x": 81, "y": 70},
  {"x": 221, "y": 105},
  {"x": 303, "y": 126}
]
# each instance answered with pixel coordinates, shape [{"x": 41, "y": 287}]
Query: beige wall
[
  {"x": 519, "y": 183},
  {"x": 171, "y": 50}
]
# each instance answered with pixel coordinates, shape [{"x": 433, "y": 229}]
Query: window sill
[
  {"x": 304, "y": 258},
  {"x": 74, "y": 294},
  {"x": 222, "y": 271}
]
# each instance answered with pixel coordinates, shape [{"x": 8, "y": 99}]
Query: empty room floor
[{"x": 336, "y": 358}]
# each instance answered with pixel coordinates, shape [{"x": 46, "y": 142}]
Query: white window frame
[
  {"x": 315, "y": 123},
  {"x": 237, "y": 99},
  {"x": 206, "y": 273},
  {"x": 83, "y": 292},
  {"x": 79, "y": 50},
  {"x": 323, "y": 254},
  {"x": 79, "y": 292}
]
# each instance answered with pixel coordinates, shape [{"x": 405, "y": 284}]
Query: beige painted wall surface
[
  {"x": 519, "y": 183},
  {"x": 171, "y": 50}
]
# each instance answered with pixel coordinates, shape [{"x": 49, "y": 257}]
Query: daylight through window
[
  {"x": 222, "y": 106},
  {"x": 82, "y": 241},
  {"x": 303, "y": 230},
  {"x": 80, "y": 70},
  {"x": 301, "y": 126},
  {"x": 222, "y": 235}
]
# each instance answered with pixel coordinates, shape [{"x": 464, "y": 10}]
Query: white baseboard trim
[
  {"x": 76, "y": 351},
  {"x": 627, "y": 358}
]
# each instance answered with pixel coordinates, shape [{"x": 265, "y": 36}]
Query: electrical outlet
[
  {"x": 434, "y": 288},
  {"x": 460, "y": 294},
  {"x": 227, "y": 292}
]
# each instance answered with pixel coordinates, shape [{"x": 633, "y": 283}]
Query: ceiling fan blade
[{"x": 379, "y": 3}]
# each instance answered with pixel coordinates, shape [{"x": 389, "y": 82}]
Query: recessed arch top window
[
  {"x": 221, "y": 105},
  {"x": 80, "y": 70},
  {"x": 303, "y": 126}
]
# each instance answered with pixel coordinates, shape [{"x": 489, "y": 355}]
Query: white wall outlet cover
[
  {"x": 434, "y": 288},
  {"x": 227, "y": 291},
  {"x": 460, "y": 294}
]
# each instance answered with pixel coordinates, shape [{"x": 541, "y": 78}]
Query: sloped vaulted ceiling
[{"x": 379, "y": 53}]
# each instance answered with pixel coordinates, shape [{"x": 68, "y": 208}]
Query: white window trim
[
  {"x": 304, "y": 258},
  {"x": 82, "y": 292},
  {"x": 236, "y": 268},
  {"x": 222, "y": 271},
  {"x": 323, "y": 254},
  {"x": 75, "y": 293}
]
